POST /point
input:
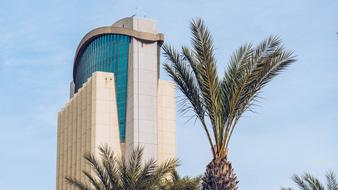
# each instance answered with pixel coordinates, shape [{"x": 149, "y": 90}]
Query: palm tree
[
  {"x": 179, "y": 183},
  {"x": 309, "y": 182},
  {"x": 221, "y": 101},
  {"x": 113, "y": 173}
]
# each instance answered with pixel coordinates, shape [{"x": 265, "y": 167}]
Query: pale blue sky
[{"x": 294, "y": 130}]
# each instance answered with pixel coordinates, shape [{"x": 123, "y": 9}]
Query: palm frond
[
  {"x": 181, "y": 73},
  {"x": 331, "y": 181},
  {"x": 231, "y": 86},
  {"x": 165, "y": 169},
  {"x": 207, "y": 78},
  {"x": 121, "y": 173},
  {"x": 190, "y": 58},
  {"x": 125, "y": 176},
  {"x": 268, "y": 60},
  {"x": 313, "y": 182},
  {"x": 286, "y": 188},
  {"x": 97, "y": 184},
  {"x": 135, "y": 161},
  {"x": 300, "y": 182},
  {"x": 109, "y": 163},
  {"x": 309, "y": 182},
  {"x": 77, "y": 184},
  {"x": 145, "y": 176},
  {"x": 222, "y": 102},
  {"x": 184, "y": 77},
  {"x": 98, "y": 169}
]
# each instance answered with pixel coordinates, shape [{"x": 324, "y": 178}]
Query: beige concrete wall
[
  {"x": 138, "y": 24},
  {"x": 146, "y": 125},
  {"x": 166, "y": 121},
  {"x": 144, "y": 25},
  {"x": 105, "y": 111},
  {"x": 141, "y": 125},
  {"x": 86, "y": 122}
]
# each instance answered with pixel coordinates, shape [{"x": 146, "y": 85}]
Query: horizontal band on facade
[{"x": 144, "y": 36}]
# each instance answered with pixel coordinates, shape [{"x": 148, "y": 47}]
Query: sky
[{"x": 293, "y": 129}]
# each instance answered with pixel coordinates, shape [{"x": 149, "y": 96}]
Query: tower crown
[{"x": 121, "y": 31}]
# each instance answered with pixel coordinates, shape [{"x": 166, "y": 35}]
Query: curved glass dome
[{"x": 107, "y": 53}]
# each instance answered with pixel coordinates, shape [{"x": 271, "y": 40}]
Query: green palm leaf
[
  {"x": 221, "y": 101},
  {"x": 118, "y": 173},
  {"x": 331, "y": 181},
  {"x": 309, "y": 182},
  {"x": 77, "y": 184}
]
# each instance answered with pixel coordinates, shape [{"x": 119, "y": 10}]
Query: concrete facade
[
  {"x": 166, "y": 125},
  {"x": 143, "y": 95},
  {"x": 90, "y": 118},
  {"x": 87, "y": 121}
]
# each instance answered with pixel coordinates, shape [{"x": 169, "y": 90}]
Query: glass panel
[{"x": 108, "y": 53}]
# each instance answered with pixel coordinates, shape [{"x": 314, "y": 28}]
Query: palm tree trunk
[{"x": 219, "y": 175}]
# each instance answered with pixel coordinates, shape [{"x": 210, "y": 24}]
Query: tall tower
[{"x": 116, "y": 98}]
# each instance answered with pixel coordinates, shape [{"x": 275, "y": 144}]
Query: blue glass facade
[{"x": 108, "y": 53}]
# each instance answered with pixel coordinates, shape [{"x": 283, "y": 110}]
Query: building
[{"x": 116, "y": 98}]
